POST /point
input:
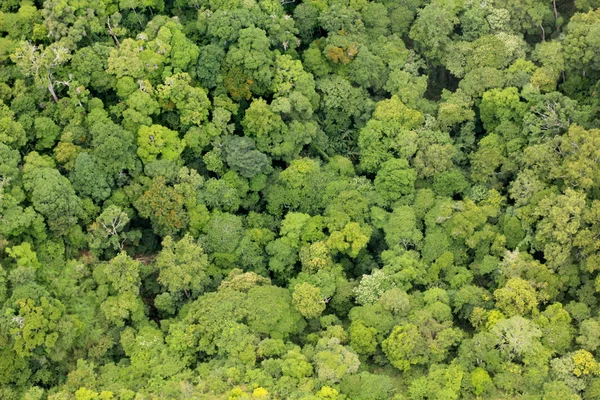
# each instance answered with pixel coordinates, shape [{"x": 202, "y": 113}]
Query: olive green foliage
[{"x": 304, "y": 200}]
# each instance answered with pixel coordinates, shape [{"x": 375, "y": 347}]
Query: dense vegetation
[{"x": 317, "y": 199}]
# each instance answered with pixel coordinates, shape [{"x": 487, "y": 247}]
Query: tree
[
  {"x": 123, "y": 273},
  {"x": 223, "y": 234},
  {"x": 66, "y": 22},
  {"x": 588, "y": 335},
  {"x": 564, "y": 211},
  {"x": 89, "y": 65},
  {"x": 367, "y": 386},
  {"x": 362, "y": 339},
  {"x": 395, "y": 179},
  {"x": 405, "y": 347},
  {"x": 408, "y": 87},
  {"x": 251, "y": 60},
  {"x": 273, "y": 313},
  {"x": 557, "y": 331},
  {"x": 435, "y": 154},
  {"x": 205, "y": 321},
  {"x": 226, "y": 193},
  {"x": 558, "y": 390},
  {"x": 334, "y": 361},
  {"x": 42, "y": 325},
  {"x": 343, "y": 106},
  {"x": 441, "y": 381},
  {"x": 157, "y": 142},
  {"x": 389, "y": 133},
  {"x": 432, "y": 29},
  {"x": 477, "y": 81},
  {"x": 296, "y": 365},
  {"x": 454, "y": 109},
  {"x": 299, "y": 187},
  {"x": 401, "y": 228},
  {"x": 517, "y": 297},
  {"x": 41, "y": 63},
  {"x": 11, "y": 132},
  {"x": 308, "y": 300},
  {"x": 244, "y": 158},
  {"x": 20, "y": 25},
  {"x": 263, "y": 123},
  {"x": 53, "y": 196},
  {"x": 122, "y": 308},
  {"x": 191, "y": 102},
  {"x": 489, "y": 158},
  {"x": 517, "y": 336},
  {"x": 481, "y": 381},
  {"x": 291, "y": 81},
  {"x": 209, "y": 64},
  {"x": 164, "y": 206},
  {"x": 350, "y": 240},
  {"x": 368, "y": 70},
  {"x": 371, "y": 287},
  {"x": 113, "y": 147},
  {"x": 46, "y": 132},
  {"x": 499, "y": 107},
  {"x": 89, "y": 180},
  {"x": 581, "y": 44},
  {"x": 579, "y": 147},
  {"x": 109, "y": 230},
  {"x": 183, "y": 266}
]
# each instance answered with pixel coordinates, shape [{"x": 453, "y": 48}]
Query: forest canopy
[{"x": 299, "y": 199}]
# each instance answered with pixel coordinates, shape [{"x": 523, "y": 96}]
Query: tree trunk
[
  {"x": 112, "y": 32},
  {"x": 51, "y": 89}
]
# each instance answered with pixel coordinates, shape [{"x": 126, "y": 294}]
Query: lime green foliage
[
  {"x": 341, "y": 199},
  {"x": 308, "y": 300},
  {"x": 156, "y": 142},
  {"x": 405, "y": 347}
]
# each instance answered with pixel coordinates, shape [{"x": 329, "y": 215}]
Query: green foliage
[
  {"x": 156, "y": 142},
  {"x": 405, "y": 347},
  {"x": 273, "y": 312},
  {"x": 53, "y": 196},
  {"x": 367, "y": 386},
  {"x": 395, "y": 179},
  {"x": 308, "y": 300},
  {"x": 89, "y": 180},
  {"x": 182, "y": 266},
  {"x": 299, "y": 200},
  {"x": 432, "y": 29},
  {"x": 42, "y": 326},
  {"x": 253, "y": 67},
  {"x": 334, "y": 361},
  {"x": 243, "y": 158},
  {"x": 109, "y": 230}
]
